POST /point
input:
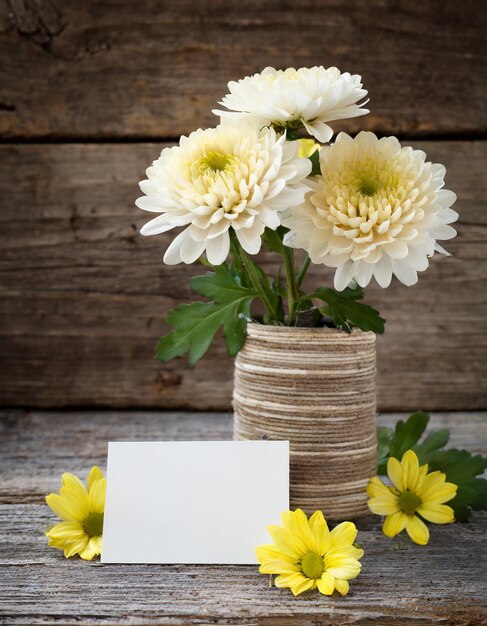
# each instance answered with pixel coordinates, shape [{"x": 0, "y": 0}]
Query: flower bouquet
[{"x": 368, "y": 207}]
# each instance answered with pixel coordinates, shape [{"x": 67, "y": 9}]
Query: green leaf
[
  {"x": 462, "y": 510},
  {"x": 435, "y": 440},
  {"x": 346, "y": 312},
  {"x": 273, "y": 239},
  {"x": 195, "y": 325},
  {"x": 384, "y": 442},
  {"x": 315, "y": 163},
  {"x": 408, "y": 433},
  {"x": 474, "y": 493},
  {"x": 460, "y": 467},
  {"x": 221, "y": 286}
]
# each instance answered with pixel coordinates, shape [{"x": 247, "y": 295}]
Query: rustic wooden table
[{"x": 401, "y": 583}]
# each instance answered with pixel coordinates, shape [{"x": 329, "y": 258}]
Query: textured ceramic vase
[{"x": 316, "y": 388}]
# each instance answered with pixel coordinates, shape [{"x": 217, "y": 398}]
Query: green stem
[
  {"x": 292, "y": 289},
  {"x": 255, "y": 279},
  {"x": 302, "y": 271}
]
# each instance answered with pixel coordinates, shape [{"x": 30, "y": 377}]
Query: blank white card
[{"x": 194, "y": 501}]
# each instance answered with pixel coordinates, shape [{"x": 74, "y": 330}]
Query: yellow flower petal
[
  {"x": 96, "y": 497},
  {"x": 75, "y": 547},
  {"x": 296, "y": 524},
  {"x": 430, "y": 483},
  {"x": 437, "y": 490},
  {"x": 321, "y": 533},
  {"x": 91, "y": 550},
  {"x": 97, "y": 543},
  {"x": 410, "y": 469},
  {"x": 317, "y": 518},
  {"x": 342, "y": 586},
  {"x": 95, "y": 474},
  {"x": 422, "y": 473},
  {"x": 326, "y": 584},
  {"x": 66, "y": 531},
  {"x": 394, "y": 471},
  {"x": 417, "y": 530},
  {"x": 394, "y": 524},
  {"x": 286, "y": 580},
  {"x": 376, "y": 488},
  {"x": 65, "y": 508},
  {"x": 301, "y": 586},
  {"x": 74, "y": 491},
  {"x": 345, "y": 552},
  {"x": 278, "y": 566},
  {"x": 73, "y": 485},
  {"x": 269, "y": 552},
  {"x": 285, "y": 542},
  {"x": 437, "y": 513},
  {"x": 343, "y": 568},
  {"x": 57, "y": 543},
  {"x": 384, "y": 505},
  {"x": 343, "y": 535}
]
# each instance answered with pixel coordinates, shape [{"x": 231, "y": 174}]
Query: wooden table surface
[{"x": 401, "y": 583}]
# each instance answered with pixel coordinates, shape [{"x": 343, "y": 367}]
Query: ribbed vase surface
[{"x": 316, "y": 388}]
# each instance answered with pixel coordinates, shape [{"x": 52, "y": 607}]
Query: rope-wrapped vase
[{"x": 316, "y": 388}]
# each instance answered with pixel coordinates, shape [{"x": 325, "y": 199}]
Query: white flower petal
[
  {"x": 313, "y": 95},
  {"x": 158, "y": 225},
  {"x": 405, "y": 273},
  {"x": 237, "y": 177},
  {"x": 321, "y": 131},
  {"x": 363, "y": 273},
  {"x": 191, "y": 250},
  {"x": 383, "y": 272},
  {"x": 377, "y": 206},
  {"x": 447, "y": 198},
  {"x": 250, "y": 238},
  {"x": 217, "y": 249},
  {"x": 344, "y": 275},
  {"x": 443, "y": 231},
  {"x": 173, "y": 253}
]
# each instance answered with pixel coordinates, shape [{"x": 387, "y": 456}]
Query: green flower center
[
  {"x": 214, "y": 161},
  {"x": 409, "y": 502},
  {"x": 312, "y": 565},
  {"x": 369, "y": 184},
  {"x": 93, "y": 524}
]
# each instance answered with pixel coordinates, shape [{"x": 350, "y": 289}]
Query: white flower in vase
[
  {"x": 220, "y": 179},
  {"x": 289, "y": 98},
  {"x": 377, "y": 210}
]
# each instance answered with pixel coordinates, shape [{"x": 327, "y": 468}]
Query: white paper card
[{"x": 193, "y": 502}]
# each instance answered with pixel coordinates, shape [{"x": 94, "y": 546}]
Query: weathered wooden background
[{"x": 89, "y": 93}]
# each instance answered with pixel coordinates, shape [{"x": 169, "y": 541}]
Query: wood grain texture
[
  {"x": 56, "y": 441},
  {"x": 401, "y": 583},
  {"x": 84, "y": 296},
  {"x": 146, "y": 69}
]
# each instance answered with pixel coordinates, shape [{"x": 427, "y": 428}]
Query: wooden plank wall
[{"x": 90, "y": 92}]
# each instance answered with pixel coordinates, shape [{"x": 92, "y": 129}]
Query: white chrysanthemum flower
[
  {"x": 222, "y": 178},
  {"x": 286, "y": 98},
  {"x": 376, "y": 210}
]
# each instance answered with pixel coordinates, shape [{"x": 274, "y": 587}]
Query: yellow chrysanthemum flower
[
  {"x": 306, "y": 555},
  {"x": 414, "y": 492},
  {"x": 82, "y": 511}
]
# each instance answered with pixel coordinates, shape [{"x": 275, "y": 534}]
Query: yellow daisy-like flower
[
  {"x": 306, "y": 555},
  {"x": 81, "y": 510},
  {"x": 414, "y": 492}
]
